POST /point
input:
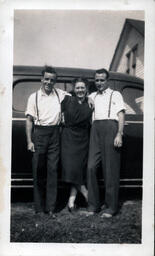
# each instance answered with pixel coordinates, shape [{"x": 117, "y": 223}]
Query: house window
[
  {"x": 133, "y": 100},
  {"x": 131, "y": 61}
]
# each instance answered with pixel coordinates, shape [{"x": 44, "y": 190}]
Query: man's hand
[
  {"x": 91, "y": 103},
  {"x": 30, "y": 147},
  {"x": 118, "y": 140}
]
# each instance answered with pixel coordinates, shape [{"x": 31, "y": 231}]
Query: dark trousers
[
  {"x": 102, "y": 150},
  {"x": 44, "y": 165}
]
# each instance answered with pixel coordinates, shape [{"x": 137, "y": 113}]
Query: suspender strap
[
  {"x": 57, "y": 95},
  {"x": 60, "y": 117},
  {"x": 94, "y": 113},
  {"x": 109, "y": 110},
  {"x": 37, "y": 107}
]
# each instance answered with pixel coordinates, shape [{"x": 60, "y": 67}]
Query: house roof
[{"x": 137, "y": 24}]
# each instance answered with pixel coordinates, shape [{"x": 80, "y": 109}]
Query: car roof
[
  {"x": 61, "y": 71},
  {"x": 74, "y": 72}
]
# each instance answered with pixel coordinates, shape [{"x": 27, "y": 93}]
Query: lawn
[{"x": 125, "y": 227}]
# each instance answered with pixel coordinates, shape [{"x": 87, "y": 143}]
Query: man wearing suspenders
[
  {"x": 105, "y": 144},
  {"x": 42, "y": 124}
]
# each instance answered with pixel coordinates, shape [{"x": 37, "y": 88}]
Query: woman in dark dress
[{"x": 75, "y": 140}]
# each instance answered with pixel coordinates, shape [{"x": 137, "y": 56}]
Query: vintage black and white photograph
[
  {"x": 77, "y": 130},
  {"x": 76, "y": 126}
]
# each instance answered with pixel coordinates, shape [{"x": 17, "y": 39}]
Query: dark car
[{"x": 27, "y": 79}]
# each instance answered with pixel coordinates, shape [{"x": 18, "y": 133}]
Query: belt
[
  {"x": 46, "y": 126},
  {"x": 103, "y": 120}
]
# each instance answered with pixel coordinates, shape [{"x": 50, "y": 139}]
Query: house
[{"x": 129, "y": 53}]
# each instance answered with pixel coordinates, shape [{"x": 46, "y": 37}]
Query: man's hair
[
  {"x": 48, "y": 69},
  {"x": 102, "y": 71}
]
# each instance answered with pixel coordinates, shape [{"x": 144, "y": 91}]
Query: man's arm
[
  {"x": 29, "y": 127},
  {"x": 91, "y": 101},
  {"x": 62, "y": 94},
  {"x": 118, "y": 139}
]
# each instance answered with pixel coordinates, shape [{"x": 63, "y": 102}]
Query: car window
[
  {"x": 134, "y": 99},
  {"x": 22, "y": 91}
]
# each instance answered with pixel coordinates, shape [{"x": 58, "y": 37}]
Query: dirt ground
[{"x": 125, "y": 227}]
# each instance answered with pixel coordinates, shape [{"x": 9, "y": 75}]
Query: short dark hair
[
  {"x": 102, "y": 71},
  {"x": 81, "y": 79},
  {"x": 48, "y": 69}
]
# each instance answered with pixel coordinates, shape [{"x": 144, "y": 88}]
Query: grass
[{"x": 125, "y": 227}]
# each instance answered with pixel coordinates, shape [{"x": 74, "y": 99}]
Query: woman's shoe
[{"x": 72, "y": 209}]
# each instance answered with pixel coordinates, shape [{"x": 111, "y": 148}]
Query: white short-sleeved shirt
[
  {"x": 101, "y": 104},
  {"x": 49, "y": 108}
]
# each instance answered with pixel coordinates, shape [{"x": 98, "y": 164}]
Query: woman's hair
[{"x": 81, "y": 79}]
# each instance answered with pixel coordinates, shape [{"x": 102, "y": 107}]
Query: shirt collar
[
  {"x": 107, "y": 91},
  {"x": 44, "y": 94}
]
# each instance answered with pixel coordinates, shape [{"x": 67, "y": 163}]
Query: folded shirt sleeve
[
  {"x": 31, "y": 108},
  {"x": 118, "y": 102},
  {"x": 62, "y": 94},
  {"x": 92, "y": 96}
]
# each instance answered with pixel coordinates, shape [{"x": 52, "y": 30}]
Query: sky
[{"x": 68, "y": 38}]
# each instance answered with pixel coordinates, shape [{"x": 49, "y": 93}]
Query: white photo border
[{"x": 6, "y": 67}]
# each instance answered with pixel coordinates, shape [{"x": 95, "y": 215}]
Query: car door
[
  {"x": 132, "y": 151},
  {"x": 21, "y": 157}
]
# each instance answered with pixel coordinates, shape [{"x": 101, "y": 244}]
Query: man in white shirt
[
  {"x": 105, "y": 144},
  {"x": 42, "y": 129}
]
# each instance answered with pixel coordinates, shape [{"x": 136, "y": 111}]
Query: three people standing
[{"x": 44, "y": 110}]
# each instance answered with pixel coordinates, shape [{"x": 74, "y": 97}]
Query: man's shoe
[
  {"x": 90, "y": 213},
  {"x": 50, "y": 214},
  {"x": 104, "y": 207},
  {"x": 87, "y": 213},
  {"x": 39, "y": 214},
  {"x": 108, "y": 213}
]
